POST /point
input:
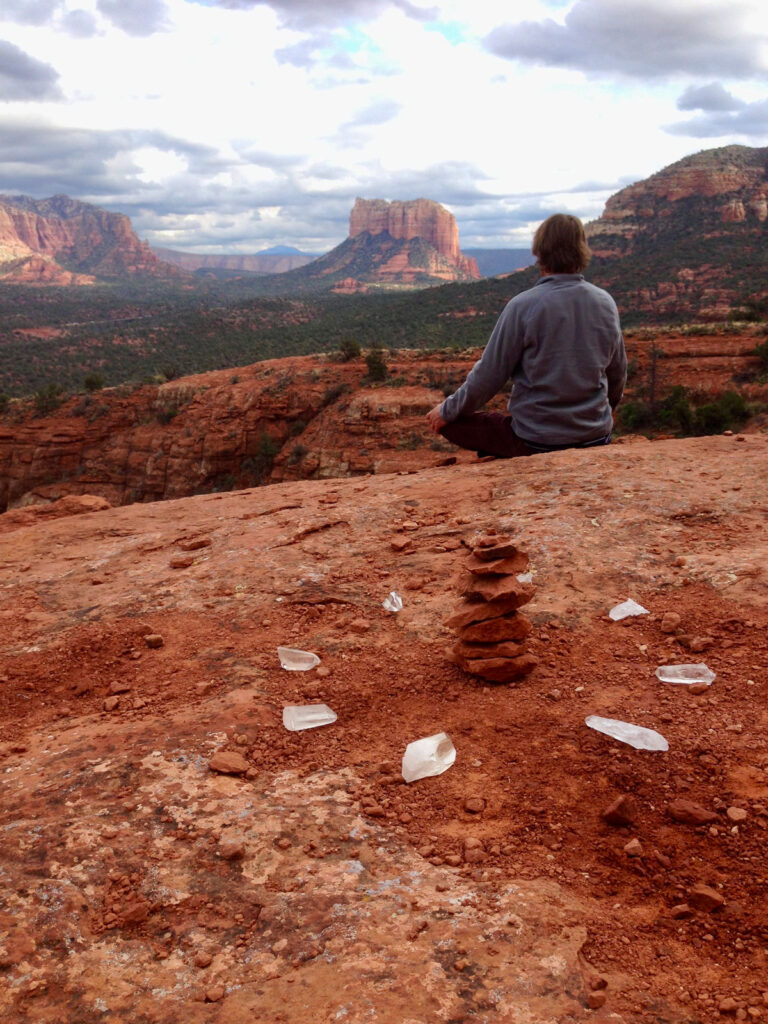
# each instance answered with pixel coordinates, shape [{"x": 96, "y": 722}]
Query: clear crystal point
[
  {"x": 393, "y": 603},
  {"x": 635, "y": 735},
  {"x": 295, "y": 660},
  {"x": 307, "y": 716},
  {"x": 429, "y": 756},
  {"x": 625, "y": 609},
  {"x": 686, "y": 674}
]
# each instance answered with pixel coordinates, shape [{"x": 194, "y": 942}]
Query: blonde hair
[{"x": 560, "y": 245}]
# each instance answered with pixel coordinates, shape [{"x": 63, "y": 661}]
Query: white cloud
[
  {"x": 708, "y": 97},
  {"x": 641, "y": 38},
  {"x": 249, "y": 124},
  {"x": 28, "y": 12},
  {"x": 136, "y": 17},
  {"x": 23, "y": 77}
]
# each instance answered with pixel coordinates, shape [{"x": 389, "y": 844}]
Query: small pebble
[
  {"x": 670, "y": 621},
  {"x": 474, "y": 804},
  {"x": 195, "y": 543},
  {"x": 232, "y": 849}
]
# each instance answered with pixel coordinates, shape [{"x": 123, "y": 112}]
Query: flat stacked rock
[{"x": 491, "y": 629}]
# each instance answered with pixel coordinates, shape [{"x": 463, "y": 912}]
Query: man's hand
[{"x": 435, "y": 420}]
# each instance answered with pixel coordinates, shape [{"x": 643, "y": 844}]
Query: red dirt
[{"x": 112, "y": 823}]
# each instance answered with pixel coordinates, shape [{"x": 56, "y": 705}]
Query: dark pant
[{"x": 491, "y": 433}]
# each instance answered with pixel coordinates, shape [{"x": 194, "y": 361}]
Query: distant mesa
[
  {"x": 391, "y": 245},
  {"x": 61, "y": 241},
  {"x": 415, "y": 219},
  {"x": 277, "y": 260},
  {"x": 493, "y": 262}
]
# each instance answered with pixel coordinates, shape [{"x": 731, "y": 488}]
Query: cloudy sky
[{"x": 234, "y": 125}]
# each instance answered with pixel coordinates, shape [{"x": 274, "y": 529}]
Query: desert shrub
[
  {"x": 48, "y": 399},
  {"x": 81, "y": 408},
  {"x": 259, "y": 465},
  {"x": 675, "y": 414},
  {"x": 761, "y": 351},
  {"x": 93, "y": 382},
  {"x": 333, "y": 394},
  {"x": 224, "y": 482},
  {"x": 298, "y": 453},
  {"x": 4, "y": 403},
  {"x": 348, "y": 349},
  {"x": 727, "y": 411},
  {"x": 377, "y": 364},
  {"x": 165, "y": 413},
  {"x": 445, "y": 382},
  {"x": 297, "y": 427},
  {"x": 94, "y": 411},
  {"x": 413, "y": 440}
]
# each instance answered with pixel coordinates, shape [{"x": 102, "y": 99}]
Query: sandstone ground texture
[{"x": 170, "y": 852}]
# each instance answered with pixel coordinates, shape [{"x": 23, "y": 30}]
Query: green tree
[
  {"x": 376, "y": 363},
  {"x": 93, "y": 382},
  {"x": 48, "y": 399},
  {"x": 348, "y": 349},
  {"x": 259, "y": 465}
]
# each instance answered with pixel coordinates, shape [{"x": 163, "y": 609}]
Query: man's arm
[
  {"x": 435, "y": 420},
  {"x": 492, "y": 370},
  {"x": 616, "y": 373}
]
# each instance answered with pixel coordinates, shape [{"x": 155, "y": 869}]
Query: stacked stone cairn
[{"x": 491, "y": 629}]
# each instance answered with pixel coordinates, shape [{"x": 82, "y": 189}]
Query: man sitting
[{"x": 561, "y": 344}]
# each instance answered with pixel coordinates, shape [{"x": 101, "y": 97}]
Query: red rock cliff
[
  {"x": 73, "y": 238},
  {"x": 701, "y": 192},
  {"x": 414, "y": 218}
]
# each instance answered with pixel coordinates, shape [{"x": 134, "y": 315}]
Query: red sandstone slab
[
  {"x": 508, "y": 627},
  {"x": 499, "y": 566},
  {"x": 490, "y": 547},
  {"x": 497, "y": 588},
  {"x": 497, "y": 670},
  {"x": 471, "y": 652},
  {"x": 478, "y": 611}
]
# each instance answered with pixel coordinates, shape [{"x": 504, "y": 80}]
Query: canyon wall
[
  {"x": 699, "y": 195},
  {"x": 300, "y": 418},
  {"x": 63, "y": 241}
]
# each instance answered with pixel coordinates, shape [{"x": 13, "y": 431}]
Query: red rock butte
[{"x": 413, "y": 218}]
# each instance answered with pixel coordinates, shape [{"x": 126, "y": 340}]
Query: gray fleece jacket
[{"x": 561, "y": 344}]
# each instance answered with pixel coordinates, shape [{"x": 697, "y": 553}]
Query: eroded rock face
[
  {"x": 280, "y": 420},
  {"x": 303, "y": 418},
  {"x": 65, "y": 242},
  {"x": 415, "y": 218},
  {"x": 688, "y": 242},
  {"x": 719, "y": 186}
]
